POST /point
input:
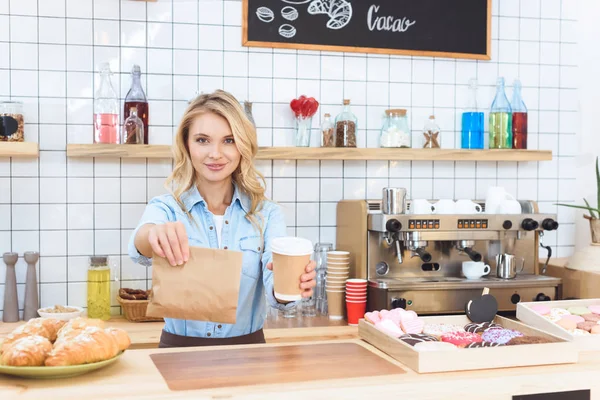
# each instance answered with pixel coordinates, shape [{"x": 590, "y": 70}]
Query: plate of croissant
[{"x": 49, "y": 348}]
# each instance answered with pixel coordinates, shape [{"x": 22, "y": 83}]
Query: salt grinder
[
  {"x": 32, "y": 302},
  {"x": 11, "y": 301}
]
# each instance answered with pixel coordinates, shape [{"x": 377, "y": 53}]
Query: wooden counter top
[
  {"x": 135, "y": 376},
  {"x": 146, "y": 335}
]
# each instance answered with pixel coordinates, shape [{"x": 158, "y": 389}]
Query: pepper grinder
[
  {"x": 11, "y": 301},
  {"x": 32, "y": 302}
]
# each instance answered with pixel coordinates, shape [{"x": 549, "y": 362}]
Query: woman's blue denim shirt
[{"x": 237, "y": 234}]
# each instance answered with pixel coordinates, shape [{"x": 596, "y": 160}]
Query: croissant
[
  {"x": 75, "y": 325},
  {"x": 28, "y": 351},
  {"x": 91, "y": 345},
  {"x": 121, "y": 337},
  {"x": 53, "y": 325},
  {"x": 32, "y": 327}
]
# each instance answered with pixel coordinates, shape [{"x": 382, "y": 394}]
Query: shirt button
[
  {"x": 208, "y": 334},
  {"x": 219, "y": 326},
  {"x": 258, "y": 249},
  {"x": 211, "y": 228},
  {"x": 226, "y": 222},
  {"x": 224, "y": 247}
]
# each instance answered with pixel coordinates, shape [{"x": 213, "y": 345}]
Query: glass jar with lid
[
  {"x": 395, "y": 131},
  {"x": 346, "y": 125},
  {"x": 98, "y": 287},
  {"x": 12, "y": 123}
]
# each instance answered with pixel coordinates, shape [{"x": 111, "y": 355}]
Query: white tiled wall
[{"x": 71, "y": 208}]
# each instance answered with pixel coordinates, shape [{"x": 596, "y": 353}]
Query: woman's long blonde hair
[{"x": 246, "y": 176}]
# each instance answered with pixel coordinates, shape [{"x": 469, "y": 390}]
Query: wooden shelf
[
  {"x": 19, "y": 149},
  {"x": 324, "y": 153},
  {"x": 321, "y": 153},
  {"x": 119, "y": 150}
]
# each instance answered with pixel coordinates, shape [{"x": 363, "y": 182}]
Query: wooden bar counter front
[{"x": 362, "y": 372}]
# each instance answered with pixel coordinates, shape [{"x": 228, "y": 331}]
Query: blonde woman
[{"x": 216, "y": 201}]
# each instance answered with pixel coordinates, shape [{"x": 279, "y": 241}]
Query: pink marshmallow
[
  {"x": 594, "y": 309},
  {"x": 389, "y": 328},
  {"x": 373, "y": 317}
]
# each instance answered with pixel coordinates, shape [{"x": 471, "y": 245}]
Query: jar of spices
[
  {"x": 345, "y": 127},
  {"x": 12, "y": 124},
  {"x": 98, "y": 288},
  {"x": 395, "y": 131},
  {"x": 327, "y": 132}
]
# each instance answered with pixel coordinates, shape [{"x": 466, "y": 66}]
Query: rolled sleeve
[
  {"x": 275, "y": 227},
  {"x": 156, "y": 212}
]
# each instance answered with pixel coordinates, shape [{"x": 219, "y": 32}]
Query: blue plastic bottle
[{"x": 472, "y": 122}]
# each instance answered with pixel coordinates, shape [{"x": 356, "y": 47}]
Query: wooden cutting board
[{"x": 268, "y": 365}]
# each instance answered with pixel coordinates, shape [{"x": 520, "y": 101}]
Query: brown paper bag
[{"x": 206, "y": 288}]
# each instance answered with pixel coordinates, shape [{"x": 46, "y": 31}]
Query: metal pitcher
[
  {"x": 506, "y": 266},
  {"x": 394, "y": 201}
]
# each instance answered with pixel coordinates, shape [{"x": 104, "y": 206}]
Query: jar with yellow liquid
[{"x": 98, "y": 286}]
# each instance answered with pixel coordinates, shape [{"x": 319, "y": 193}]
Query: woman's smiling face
[{"x": 212, "y": 148}]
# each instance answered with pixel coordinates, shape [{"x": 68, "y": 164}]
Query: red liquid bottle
[
  {"x": 137, "y": 98},
  {"x": 106, "y": 110},
  {"x": 519, "y": 118}
]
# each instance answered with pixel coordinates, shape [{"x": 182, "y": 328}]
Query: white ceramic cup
[
  {"x": 509, "y": 207},
  {"x": 445, "y": 206},
  {"x": 465, "y": 206},
  {"x": 495, "y": 196},
  {"x": 422, "y": 206},
  {"x": 474, "y": 269}
]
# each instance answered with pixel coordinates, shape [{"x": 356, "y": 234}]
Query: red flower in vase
[{"x": 304, "y": 107}]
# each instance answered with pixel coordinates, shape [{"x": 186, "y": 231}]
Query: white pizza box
[
  {"x": 533, "y": 319},
  {"x": 560, "y": 351}
]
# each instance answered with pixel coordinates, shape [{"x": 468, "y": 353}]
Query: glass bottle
[
  {"x": 431, "y": 134},
  {"x": 472, "y": 122},
  {"x": 500, "y": 119},
  {"x": 98, "y": 288},
  {"x": 248, "y": 111},
  {"x": 346, "y": 124},
  {"x": 12, "y": 124},
  {"x": 327, "y": 132},
  {"x": 133, "y": 128},
  {"x": 519, "y": 118},
  {"x": 106, "y": 109},
  {"x": 137, "y": 98},
  {"x": 395, "y": 131}
]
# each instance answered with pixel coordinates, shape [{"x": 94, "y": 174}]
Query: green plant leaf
[
  {"x": 590, "y": 209},
  {"x": 592, "y": 213}
]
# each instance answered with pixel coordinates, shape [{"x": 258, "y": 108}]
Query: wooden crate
[
  {"x": 533, "y": 319},
  {"x": 559, "y": 351}
]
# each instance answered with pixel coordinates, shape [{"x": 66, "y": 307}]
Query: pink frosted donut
[
  {"x": 540, "y": 309},
  {"x": 594, "y": 309},
  {"x": 575, "y": 318}
]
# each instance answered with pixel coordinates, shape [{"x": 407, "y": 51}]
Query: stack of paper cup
[
  {"x": 338, "y": 271},
  {"x": 356, "y": 299}
]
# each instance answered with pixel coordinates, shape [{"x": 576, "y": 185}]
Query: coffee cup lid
[{"x": 292, "y": 246}]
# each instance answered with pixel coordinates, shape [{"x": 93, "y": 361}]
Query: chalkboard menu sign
[{"x": 440, "y": 28}]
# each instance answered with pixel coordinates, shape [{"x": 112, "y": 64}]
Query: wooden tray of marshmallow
[
  {"x": 573, "y": 320},
  {"x": 480, "y": 339}
]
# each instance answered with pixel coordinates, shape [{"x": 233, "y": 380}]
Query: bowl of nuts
[{"x": 63, "y": 313}]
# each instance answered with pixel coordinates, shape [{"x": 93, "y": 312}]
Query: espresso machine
[{"x": 415, "y": 261}]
